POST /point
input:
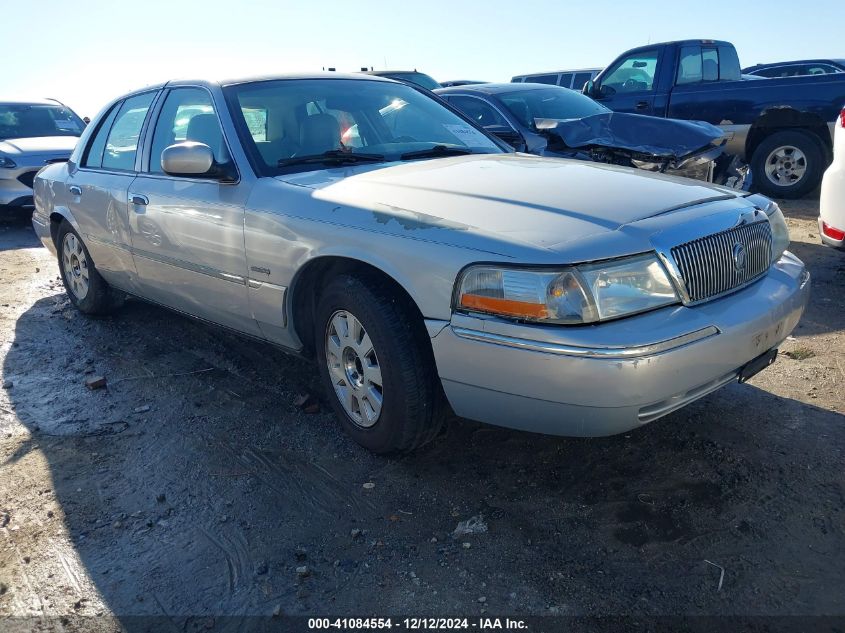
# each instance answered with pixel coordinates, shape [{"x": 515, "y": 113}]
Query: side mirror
[
  {"x": 588, "y": 88},
  {"x": 86, "y": 120},
  {"x": 188, "y": 158},
  {"x": 508, "y": 135}
]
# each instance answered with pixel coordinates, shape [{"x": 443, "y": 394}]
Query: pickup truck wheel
[
  {"x": 788, "y": 164},
  {"x": 378, "y": 372},
  {"x": 87, "y": 290}
]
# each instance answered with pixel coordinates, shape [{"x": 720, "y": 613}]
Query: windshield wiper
[
  {"x": 437, "y": 150},
  {"x": 332, "y": 157}
]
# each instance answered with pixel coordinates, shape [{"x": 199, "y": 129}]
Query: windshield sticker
[
  {"x": 67, "y": 125},
  {"x": 469, "y": 136}
]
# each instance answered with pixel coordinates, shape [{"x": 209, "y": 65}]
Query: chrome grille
[{"x": 708, "y": 265}]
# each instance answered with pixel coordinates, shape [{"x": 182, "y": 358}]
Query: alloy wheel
[
  {"x": 75, "y": 266},
  {"x": 354, "y": 368},
  {"x": 786, "y": 165}
]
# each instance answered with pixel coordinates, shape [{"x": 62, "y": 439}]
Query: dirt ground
[{"x": 193, "y": 488}]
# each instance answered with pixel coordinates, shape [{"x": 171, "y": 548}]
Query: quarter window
[
  {"x": 187, "y": 115},
  {"x": 122, "y": 143}
]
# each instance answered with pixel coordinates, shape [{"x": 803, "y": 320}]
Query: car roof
[
  {"x": 840, "y": 62},
  {"x": 36, "y": 101},
  {"x": 500, "y": 88},
  {"x": 565, "y": 70}
]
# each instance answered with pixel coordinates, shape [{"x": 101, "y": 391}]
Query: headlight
[
  {"x": 576, "y": 294},
  {"x": 780, "y": 232},
  {"x": 7, "y": 162}
]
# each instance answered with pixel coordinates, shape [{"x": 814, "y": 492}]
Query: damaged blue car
[{"x": 554, "y": 121}]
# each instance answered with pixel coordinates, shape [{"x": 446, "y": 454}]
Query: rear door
[
  {"x": 98, "y": 189},
  {"x": 188, "y": 232},
  {"x": 630, "y": 85}
]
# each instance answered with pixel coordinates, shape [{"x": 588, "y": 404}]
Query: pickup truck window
[
  {"x": 634, "y": 73},
  {"x": 706, "y": 63}
]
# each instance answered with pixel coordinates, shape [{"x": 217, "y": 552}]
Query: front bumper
[
  {"x": 609, "y": 378},
  {"x": 16, "y": 186}
]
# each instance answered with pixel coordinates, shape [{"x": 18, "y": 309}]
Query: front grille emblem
[{"x": 739, "y": 257}]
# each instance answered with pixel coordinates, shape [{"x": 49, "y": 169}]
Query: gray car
[
  {"x": 32, "y": 134},
  {"x": 424, "y": 266}
]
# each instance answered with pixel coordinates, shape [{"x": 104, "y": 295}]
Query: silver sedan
[{"x": 421, "y": 263}]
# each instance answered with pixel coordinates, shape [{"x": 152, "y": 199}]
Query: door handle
[
  {"x": 138, "y": 199},
  {"x": 642, "y": 105},
  {"x": 74, "y": 190}
]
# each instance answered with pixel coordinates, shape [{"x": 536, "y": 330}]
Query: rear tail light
[
  {"x": 833, "y": 233},
  {"x": 842, "y": 118}
]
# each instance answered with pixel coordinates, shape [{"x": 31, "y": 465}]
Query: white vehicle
[{"x": 832, "y": 202}]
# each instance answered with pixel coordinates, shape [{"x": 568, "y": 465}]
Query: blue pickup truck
[{"x": 781, "y": 127}]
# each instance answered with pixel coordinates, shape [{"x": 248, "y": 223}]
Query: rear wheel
[
  {"x": 87, "y": 290},
  {"x": 377, "y": 366},
  {"x": 788, "y": 164}
]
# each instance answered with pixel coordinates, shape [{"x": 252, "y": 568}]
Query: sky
[{"x": 87, "y": 52}]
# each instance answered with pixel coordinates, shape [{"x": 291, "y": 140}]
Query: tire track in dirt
[{"x": 303, "y": 484}]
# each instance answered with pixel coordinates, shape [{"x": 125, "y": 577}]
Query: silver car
[
  {"x": 32, "y": 134},
  {"x": 364, "y": 223}
]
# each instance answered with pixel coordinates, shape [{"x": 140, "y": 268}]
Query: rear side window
[
  {"x": 122, "y": 142},
  {"x": 94, "y": 154},
  {"x": 710, "y": 64},
  {"x": 580, "y": 80},
  {"x": 565, "y": 80},
  {"x": 729, "y": 64},
  {"x": 479, "y": 111},
  {"x": 542, "y": 79}
]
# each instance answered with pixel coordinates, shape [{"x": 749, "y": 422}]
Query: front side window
[
  {"x": 187, "y": 115},
  {"x": 549, "y": 103},
  {"x": 122, "y": 142},
  {"x": 479, "y": 111},
  {"x": 308, "y": 118},
  {"x": 30, "y": 120},
  {"x": 635, "y": 73}
]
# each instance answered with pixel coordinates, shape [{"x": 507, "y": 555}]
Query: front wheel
[
  {"x": 87, "y": 290},
  {"x": 377, "y": 365},
  {"x": 788, "y": 164}
]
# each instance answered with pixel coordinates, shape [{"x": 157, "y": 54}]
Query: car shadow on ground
[
  {"x": 825, "y": 312},
  {"x": 16, "y": 230},
  {"x": 193, "y": 486}
]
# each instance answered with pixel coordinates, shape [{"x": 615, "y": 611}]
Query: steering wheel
[{"x": 631, "y": 84}]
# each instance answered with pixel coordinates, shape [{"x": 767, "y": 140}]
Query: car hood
[
  {"x": 542, "y": 202},
  {"x": 55, "y": 145},
  {"x": 644, "y": 136}
]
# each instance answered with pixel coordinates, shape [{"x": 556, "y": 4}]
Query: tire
[
  {"x": 87, "y": 290},
  {"x": 792, "y": 178},
  {"x": 411, "y": 409}
]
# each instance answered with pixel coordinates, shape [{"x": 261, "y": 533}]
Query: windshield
[
  {"x": 28, "y": 120},
  {"x": 549, "y": 103},
  {"x": 282, "y": 122}
]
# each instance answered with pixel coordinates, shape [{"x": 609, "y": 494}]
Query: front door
[{"x": 188, "y": 233}]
